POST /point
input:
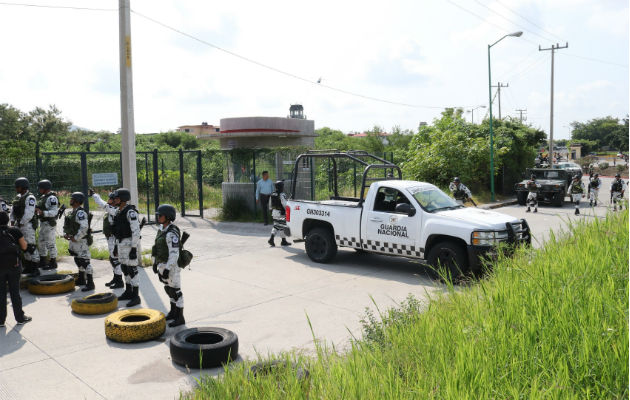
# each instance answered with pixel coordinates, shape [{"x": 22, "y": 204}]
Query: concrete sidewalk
[{"x": 235, "y": 281}]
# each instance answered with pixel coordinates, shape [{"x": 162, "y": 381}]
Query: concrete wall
[
  {"x": 261, "y": 142},
  {"x": 266, "y": 132}
]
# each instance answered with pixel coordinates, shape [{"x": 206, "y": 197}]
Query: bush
[
  {"x": 603, "y": 166},
  {"x": 621, "y": 168},
  {"x": 235, "y": 208}
]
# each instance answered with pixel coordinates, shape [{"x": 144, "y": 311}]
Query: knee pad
[
  {"x": 177, "y": 294},
  {"x": 167, "y": 289},
  {"x": 125, "y": 269},
  {"x": 77, "y": 261},
  {"x": 82, "y": 262},
  {"x": 132, "y": 270}
]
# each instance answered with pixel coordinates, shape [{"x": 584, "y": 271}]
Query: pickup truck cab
[{"x": 405, "y": 219}]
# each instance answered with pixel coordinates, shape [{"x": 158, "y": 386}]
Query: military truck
[{"x": 553, "y": 186}]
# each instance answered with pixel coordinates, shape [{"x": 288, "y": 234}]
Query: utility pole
[
  {"x": 553, "y": 49},
  {"x": 499, "y": 85},
  {"x": 521, "y": 111},
  {"x": 128, "y": 133}
]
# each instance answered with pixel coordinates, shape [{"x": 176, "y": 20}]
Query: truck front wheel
[
  {"x": 450, "y": 257},
  {"x": 521, "y": 197},
  {"x": 320, "y": 245}
]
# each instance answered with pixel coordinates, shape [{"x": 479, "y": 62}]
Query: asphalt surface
[{"x": 236, "y": 281}]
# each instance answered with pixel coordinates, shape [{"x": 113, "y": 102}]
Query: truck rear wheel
[
  {"x": 521, "y": 197},
  {"x": 320, "y": 245},
  {"x": 558, "y": 199},
  {"x": 450, "y": 257}
]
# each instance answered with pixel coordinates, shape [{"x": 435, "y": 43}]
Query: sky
[{"x": 395, "y": 63}]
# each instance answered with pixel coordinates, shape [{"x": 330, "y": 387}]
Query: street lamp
[
  {"x": 472, "y": 113},
  {"x": 515, "y": 34}
]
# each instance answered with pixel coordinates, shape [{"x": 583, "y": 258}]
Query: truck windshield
[{"x": 433, "y": 199}]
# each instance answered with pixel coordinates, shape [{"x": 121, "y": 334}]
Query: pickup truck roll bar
[{"x": 353, "y": 155}]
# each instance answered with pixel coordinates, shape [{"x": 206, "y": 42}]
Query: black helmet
[
  {"x": 123, "y": 194},
  {"x": 576, "y": 176},
  {"x": 78, "y": 197},
  {"x": 456, "y": 179},
  {"x": 166, "y": 210},
  {"x": 112, "y": 194},
  {"x": 617, "y": 175},
  {"x": 596, "y": 175},
  {"x": 279, "y": 186},
  {"x": 44, "y": 184},
  {"x": 21, "y": 183}
]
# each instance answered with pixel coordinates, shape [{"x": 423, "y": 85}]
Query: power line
[
  {"x": 58, "y": 7},
  {"x": 289, "y": 74},
  {"x": 530, "y": 67},
  {"x": 528, "y": 20},
  {"x": 596, "y": 60},
  {"x": 511, "y": 21}
]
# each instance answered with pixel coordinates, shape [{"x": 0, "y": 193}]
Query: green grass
[
  {"x": 96, "y": 253},
  {"x": 546, "y": 324}
]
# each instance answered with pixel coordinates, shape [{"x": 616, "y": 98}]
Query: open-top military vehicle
[{"x": 553, "y": 184}]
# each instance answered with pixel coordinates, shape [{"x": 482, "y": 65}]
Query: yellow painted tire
[
  {"x": 51, "y": 284},
  {"x": 75, "y": 275},
  {"x": 99, "y": 303},
  {"x": 24, "y": 281},
  {"x": 135, "y": 325}
]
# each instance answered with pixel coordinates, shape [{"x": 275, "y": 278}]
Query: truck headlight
[{"x": 488, "y": 238}]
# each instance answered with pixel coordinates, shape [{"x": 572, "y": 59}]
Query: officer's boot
[
  {"x": 179, "y": 317},
  {"x": 118, "y": 282},
  {"x": 81, "y": 280},
  {"x": 173, "y": 313},
  {"x": 595, "y": 202},
  {"x": 52, "y": 264},
  {"x": 536, "y": 209},
  {"x": 127, "y": 294},
  {"x": 284, "y": 242},
  {"x": 135, "y": 298},
  {"x": 577, "y": 211},
  {"x": 90, "y": 283},
  {"x": 528, "y": 209},
  {"x": 110, "y": 283},
  {"x": 34, "y": 269},
  {"x": 42, "y": 264},
  {"x": 271, "y": 242}
]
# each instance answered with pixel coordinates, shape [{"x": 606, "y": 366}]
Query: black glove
[
  {"x": 133, "y": 254},
  {"x": 116, "y": 251},
  {"x": 155, "y": 270},
  {"x": 30, "y": 248},
  {"x": 90, "y": 192},
  {"x": 165, "y": 274}
]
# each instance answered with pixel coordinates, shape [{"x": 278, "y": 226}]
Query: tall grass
[{"x": 548, "y": 323}]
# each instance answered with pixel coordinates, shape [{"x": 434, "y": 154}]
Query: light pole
[
  {"x": 472, "y": 113},
  {"x": 515, "y": 34}
]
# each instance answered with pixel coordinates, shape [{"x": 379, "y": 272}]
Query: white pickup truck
[{"x": 398, "y": 218}]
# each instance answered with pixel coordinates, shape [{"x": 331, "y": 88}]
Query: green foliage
[
  {"x": 452, "y": 147},
  {"x": 548, "y": 323},
  {"x": 603, "y": 165},
  {"x": 234, "y": 209},
  {"x": 600, "y": 132}
]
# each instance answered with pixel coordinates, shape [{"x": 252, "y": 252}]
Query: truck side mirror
[{"x": 404, "y": 208}]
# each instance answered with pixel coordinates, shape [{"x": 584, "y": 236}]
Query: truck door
[{"x": 389, "y": 232}]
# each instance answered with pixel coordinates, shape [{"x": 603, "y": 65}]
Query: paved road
[{"x": 236, "y": 282}]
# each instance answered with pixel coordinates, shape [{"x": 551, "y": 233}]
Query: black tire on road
[
  {"x": 558, "y": 199},
  {"x": 521, "y": 197},
  {"x": 320, "y": 245},
  {"x": 449, "y": 256},
  {"x": 204, "y": 347}
]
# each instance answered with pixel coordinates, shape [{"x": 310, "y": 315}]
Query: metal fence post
[
  {"x": 146, "y": 182},
  {"x": 181, "y": 182},
  {"x": 200, "y": 182},
  {"x": 156, "y": 180},
  {"x": 84, "y": 180},
  {"x": 254, "y": 179}
]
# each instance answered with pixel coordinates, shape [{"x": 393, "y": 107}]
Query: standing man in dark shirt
[
  {"x": 264, "y": 188},
  {"x": 12, "y": 242}
]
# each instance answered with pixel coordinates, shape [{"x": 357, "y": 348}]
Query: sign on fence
[{"x": 105, "y": 179}]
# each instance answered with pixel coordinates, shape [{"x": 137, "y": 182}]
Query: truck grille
[{"x": 518, "y": 231}]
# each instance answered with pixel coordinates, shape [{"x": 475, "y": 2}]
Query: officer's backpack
[{"x": 185, "y": 256}]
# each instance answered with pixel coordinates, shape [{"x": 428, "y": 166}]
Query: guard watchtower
[{"x": 296, "y": 111}]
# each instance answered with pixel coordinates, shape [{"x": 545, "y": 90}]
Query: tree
[
  {"x": 605, "y": 132},
  {"x": 45, "y": 125},
  {"x": 12, "y": 123}
]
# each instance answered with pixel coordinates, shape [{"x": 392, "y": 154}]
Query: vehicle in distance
[
  {"x": 571, "y": 168},
  {"x": 393, "y": 217},
  {"x": 553, "y": 186}
]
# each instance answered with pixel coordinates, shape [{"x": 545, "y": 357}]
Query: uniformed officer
[
  {"x": 593, "y": 189},
  {"x": 617, "y": 190},
  {"x": 108, "y": 223},
  {"x": 127, "y": 233},
  {"x": 165, "y": 254},
  {"x": 459, "y": 190},
  {"x": 76, "y": 230},
  {"x": 46, "y": 210},
  {"x": 278, "y": 203},
  {"x": 532, "y": 197},
  {"x": 23, "y": 216},
  {"x": 576, "y": 191}
]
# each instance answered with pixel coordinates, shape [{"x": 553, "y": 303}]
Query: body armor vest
[
  {"x": 122, "y": 228},
  {"x": 70, "y": 224},
  {"x": 617, "y": 186},
  {"x": 459, "y": 194},
  {"x": 41, "y": 204},
  {"x": 532, "y": 186},
  {"x": 160, "y": 248},
  {"x": 19, "y": 207},
  {"x": 576, "y": 189},
  {"x": 595, "y": 183},
  {"x": 276, "y": 203}
]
